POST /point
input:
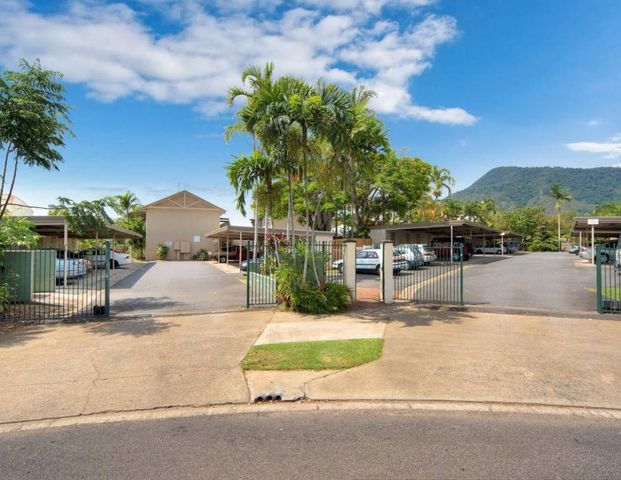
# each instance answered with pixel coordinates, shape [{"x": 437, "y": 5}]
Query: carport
[
  {"x": 596, "y": 227},
  {"x": 425, "y": 232},
  {"x": 246, "y": 234}
]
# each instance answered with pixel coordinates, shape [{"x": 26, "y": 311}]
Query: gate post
[
  {"x": 349, "y": 267},
  {"x": 387, "y": 279},
  {"x": 598, "y": 277},
  {"x": 107, "y": 279}
]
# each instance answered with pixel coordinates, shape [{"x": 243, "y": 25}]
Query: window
[{"x": 196, "y": 239}]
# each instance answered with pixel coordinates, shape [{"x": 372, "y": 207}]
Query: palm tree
[
  {"x": 124, "y": 204},
  {"x": 559, "y": 195},
  {"x": 441, "y": 179}
]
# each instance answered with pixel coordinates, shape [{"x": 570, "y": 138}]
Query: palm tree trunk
[
  {"x": 558, "y": 218},
  {"x": 307, "y": 209},
  {"x": 256, "y": 231}
]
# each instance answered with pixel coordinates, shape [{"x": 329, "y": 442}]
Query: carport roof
[
  {"x": 54, "y": 225},
  {"x": 460, "y": 228},
  {"x": 247, "y": 233},
  {"x": 606, "y": 226}
]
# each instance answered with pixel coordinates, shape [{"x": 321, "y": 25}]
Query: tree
[
  {"x": 559, "y": 195},
  {"x": 85, "y": 218},
  {"x": 441, "y": 179},
  {"x": 33, "y": 123},
  {"x": 123, "y": 204},
  {"x": 17, "y": 232},
  {"x": 608, "y": 209}
]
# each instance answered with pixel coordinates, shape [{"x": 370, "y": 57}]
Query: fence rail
[
  {"x": 608, "y": 279},
  {"x": 54, "y": 283},
  {"x": 438, "y": 281}
]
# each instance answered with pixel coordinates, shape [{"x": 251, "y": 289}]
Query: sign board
[{"x": 593, "y": 221}]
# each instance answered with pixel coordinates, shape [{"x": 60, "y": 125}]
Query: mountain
[{"x": 529, "y": 186}]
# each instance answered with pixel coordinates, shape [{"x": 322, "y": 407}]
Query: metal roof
[
  {"x": 606, "y": 226},
  {"x": 54, "y": 225},
  {"x": 460, "y": 228},
  {"x": 247, "y": 232}
]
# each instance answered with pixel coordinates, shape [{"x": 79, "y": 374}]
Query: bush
[
  {"x": 5, "y": 296},
  {"x": 162, "y": 252},
  {"x": 307, "y": 295},
  {"x": 201, "y": 255}
]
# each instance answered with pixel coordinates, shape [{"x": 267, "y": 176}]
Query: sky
[{"x": 466, "y": 85}]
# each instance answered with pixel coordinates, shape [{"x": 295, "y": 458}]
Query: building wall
[{"x": 176, "y": 227}]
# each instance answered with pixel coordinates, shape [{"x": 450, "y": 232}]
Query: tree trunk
[
  {"x": 256, "y": 231},
  {"x": 8, "y": 197},
  {"x": 306, "y": 206}
]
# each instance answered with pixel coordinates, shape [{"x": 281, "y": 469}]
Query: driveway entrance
[
  {"x": 177, "y": 287},
  {"x": 543, "y": 280}
]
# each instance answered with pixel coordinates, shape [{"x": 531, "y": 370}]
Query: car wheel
[
  {"x": 340, "y": 267},
  {"x": 377, "y": 269},
  {"x": 223, "y": 259},
  {"x": 604, "y": 258},
  {"x": 114, "y": 264}
]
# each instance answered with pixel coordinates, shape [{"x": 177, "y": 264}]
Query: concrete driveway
[
  {"x": 159, "y": 288},
  {"x": 66, "y": 370},
  {"x": 548, "y": 281}
]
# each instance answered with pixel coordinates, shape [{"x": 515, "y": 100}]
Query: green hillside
[{"x": 528, "y": 186}]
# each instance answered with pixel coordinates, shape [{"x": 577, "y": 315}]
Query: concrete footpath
[{"x": 53, "y": 371}]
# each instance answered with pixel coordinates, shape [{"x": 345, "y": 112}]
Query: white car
[
  {"x": 76, "y": 267},
  {"x": 412, "y": 255},
  {"x": 97, "y": 256},
  {"x": 428, "y": 254},
  {"x": 369, "y": 260},
  {"x": 492, "y": 250}
]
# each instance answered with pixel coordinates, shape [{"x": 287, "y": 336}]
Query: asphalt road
[
  {"x": 549, "y": 280},
  {"x": 362, "y": 445},
  {"x": 177, "y": 287}
]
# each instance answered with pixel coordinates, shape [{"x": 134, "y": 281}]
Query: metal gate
[
  {"x": 438, "y": 280},
  {"x": 54, "y": 283},
  {"x": 608, "y": 279},
  {"x": 261, "y": 280}
]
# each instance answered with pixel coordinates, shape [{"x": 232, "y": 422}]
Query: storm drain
[{"x": 269, "y": 397}]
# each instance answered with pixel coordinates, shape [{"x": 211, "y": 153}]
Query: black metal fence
[
  {"x": 54, "y": 283},
  {"x": 608, "y": 279},
  {"x": 433, "y": 278},
  {"x": 325, "y": 262}
]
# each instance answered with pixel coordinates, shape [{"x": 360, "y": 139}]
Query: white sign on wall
[{"x": 593, "y": 221}]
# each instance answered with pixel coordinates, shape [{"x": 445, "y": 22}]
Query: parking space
[{"x": 159, "y": 288}]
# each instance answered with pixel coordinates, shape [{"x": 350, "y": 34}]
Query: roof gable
[{"x": 184, "y": 199}]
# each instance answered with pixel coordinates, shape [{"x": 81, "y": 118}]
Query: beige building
[{"x": 180, "y": 221}]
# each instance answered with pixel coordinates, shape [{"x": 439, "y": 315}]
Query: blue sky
[{"x": 467, "y": 85}]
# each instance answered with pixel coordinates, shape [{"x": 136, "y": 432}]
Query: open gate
[{"x": 608, "y": 278}]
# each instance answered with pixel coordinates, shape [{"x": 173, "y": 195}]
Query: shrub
[
  {"x": 201, "y": 255},
  {"x": 307, "y": 295},
  {"x": 162, "y": 252},
  {"x": 5, "y": 296}
]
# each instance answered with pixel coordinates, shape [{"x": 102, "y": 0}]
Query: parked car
[
  {"x": 244, "y": 264},
  {"x": 575, "y": 250},
  {"x": 233, "y": 253},
  {"x": 425, "y": 250},
  {"x": 60, "y": 254},
  {"x": 607, "y": 251},
  {"x": 97, "y": 256},
  {"x": 370, "y": 260},
  {"x": 491, "y": 250},
  {"x": 618, "y": 257},
  {"x": 512, "y": 245},
  {"x": 442, "y": 248},
  {"x": 76, "y": 267},
  {"x": 411, "y": 253}
]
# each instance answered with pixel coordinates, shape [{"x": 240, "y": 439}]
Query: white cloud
[
  {"x": 594, "y": 123},
  {"x": 111, "y": 50},
  {"x": 610, "y": 148}
]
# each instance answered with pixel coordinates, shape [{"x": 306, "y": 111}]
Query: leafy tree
[
  {"x": 33, "y": 122},
  {"x": 559, "y": 195},
  {"x": 608, "y": 209},
  {"x": 441, "y": 180},
  {"x": 84, "y": 218},
  {"x": 17, "y": 232}
]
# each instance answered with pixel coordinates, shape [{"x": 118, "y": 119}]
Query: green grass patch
[
  {"x": 613, "y": 293},
  {"x": 323, "y": 355}
]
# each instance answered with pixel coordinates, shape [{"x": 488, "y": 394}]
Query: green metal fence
[
  {"x": 440, "y": 280},
  {"x": 54, "y": 283},
  {"x": 608, "y": 279},
  {"x": 325, "y": 262}
]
